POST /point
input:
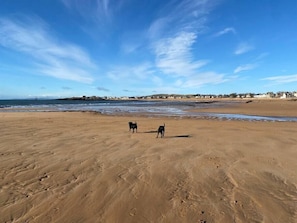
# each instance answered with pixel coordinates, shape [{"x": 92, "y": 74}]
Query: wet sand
[
  {"x": 261, "y": 107},
  {"x": 87, "y": 167}
]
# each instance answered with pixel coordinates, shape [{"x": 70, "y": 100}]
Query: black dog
[
  {"x": 161, "y": 130},
  {"x": 132, "y": 126}
]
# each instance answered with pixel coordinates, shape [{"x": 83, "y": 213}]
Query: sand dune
[{"x": 87, "y": 167}]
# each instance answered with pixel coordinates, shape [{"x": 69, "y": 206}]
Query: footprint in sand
[{"x": 133, "y": 212}]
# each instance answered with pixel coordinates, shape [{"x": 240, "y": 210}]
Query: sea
[{"x": 151, "y": 108}]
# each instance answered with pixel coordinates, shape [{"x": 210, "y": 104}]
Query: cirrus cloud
[
  {"x": 242, "y": 48},
  {"x": 245, "y": 68},
  {"x": 225, "y": 31},
  {"x": 282, "y": 79},
  {"x": 173, "y": 55},
  {"x": 30, "y": 36}
]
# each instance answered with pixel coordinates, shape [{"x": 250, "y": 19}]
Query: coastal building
[
  {"x": 262, "y": 96},
  {"x": 284, "y": 96}
]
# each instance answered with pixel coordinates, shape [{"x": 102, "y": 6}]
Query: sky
[{"x": 66, "y": 48}]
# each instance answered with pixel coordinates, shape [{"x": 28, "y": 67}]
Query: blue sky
[{"x": 64, "y": 48}]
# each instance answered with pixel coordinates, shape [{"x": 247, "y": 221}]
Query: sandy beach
[{"x": 88, "y": 167}]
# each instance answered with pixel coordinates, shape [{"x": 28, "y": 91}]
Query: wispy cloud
[
  {"x": 96, "y": 11},
  {"x": 105, "y": 6},
  {"x": 131, "y": 42},
  {"x": 282, "y": 79},
  {"x": 51, "y": 57},
  {"x": 262, "y": 56},
  {"x": 186, "y": 15},
  {"x": 203, "y": 79},
  {"x": 191, "y": 13},
  {"x": 173, "y": 55},
  {"x": 157, "y": 28},
  {"x": 131, "y": 73},
  {"x": 173, "y": 46},
  {"x": 129, "y": 47},
  {"x": 242, "y": 48},
  {"x": 225, "y": 31},
  {"x": 245, "y": 68}
]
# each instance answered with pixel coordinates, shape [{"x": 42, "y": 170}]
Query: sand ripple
[{"x": 85, "y": 167}]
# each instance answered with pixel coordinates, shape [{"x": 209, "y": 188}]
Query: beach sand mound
[{"x": 86, "y": 167}]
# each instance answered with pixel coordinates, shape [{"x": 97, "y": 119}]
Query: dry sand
[{"x": 87, "y": 167}]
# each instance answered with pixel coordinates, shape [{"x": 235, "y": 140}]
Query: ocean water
[
  {"x": 120, "y": 107},
  {"x": 105, "y": 106}
]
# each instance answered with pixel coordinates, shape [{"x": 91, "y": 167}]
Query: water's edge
[{"x": 150, "y": 108}]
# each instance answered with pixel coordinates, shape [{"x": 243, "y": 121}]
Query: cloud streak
[
  {"x": 100, "y": 12},
  {"x": 225, "y": 31},
  {"x": 243, "y": 48},
  {"x": 245, "y": 67},
  {"x": 282, "y": 79},
  {"x": 51, "y": 57}
]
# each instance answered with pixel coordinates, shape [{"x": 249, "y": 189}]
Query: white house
[{"x": 283, "y": 96}]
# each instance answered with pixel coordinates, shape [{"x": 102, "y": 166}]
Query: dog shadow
[
  {"x": 151, "y": 131},
  {"x": 176, "y": 136},
  {"x": 180, "y": 136}
]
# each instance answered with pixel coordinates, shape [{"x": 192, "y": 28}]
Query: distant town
[{"x": 281, "y": 95}]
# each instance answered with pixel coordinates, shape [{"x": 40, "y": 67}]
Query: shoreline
[{"x": 250, "y": 110}]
